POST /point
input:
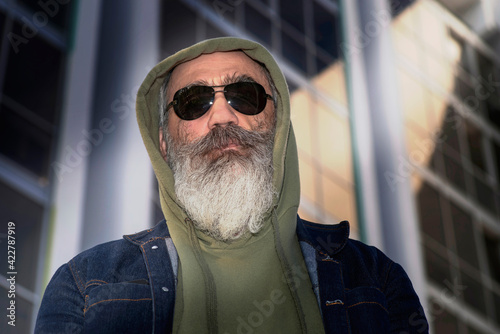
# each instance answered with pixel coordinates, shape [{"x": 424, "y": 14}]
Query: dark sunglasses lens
[
  {"x": 248, "y": 98},
  {"x": 193, "y": 102}
]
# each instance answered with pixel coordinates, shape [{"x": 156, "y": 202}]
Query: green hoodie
[{"x": 258, "y": 284}]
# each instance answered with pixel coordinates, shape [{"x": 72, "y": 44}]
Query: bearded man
[{"x": 231, "y": 256}]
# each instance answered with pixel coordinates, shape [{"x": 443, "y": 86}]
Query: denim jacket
[{"x": 128, "y": 286}]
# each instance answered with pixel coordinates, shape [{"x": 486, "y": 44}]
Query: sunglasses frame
[{"x": 175, "y": 100}]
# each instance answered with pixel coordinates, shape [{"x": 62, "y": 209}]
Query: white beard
[{"x": 225, "y": 193}]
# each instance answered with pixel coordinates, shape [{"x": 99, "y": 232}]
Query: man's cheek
[
  {"x": 269, "y": 116},
  {"x": 263, "y": 123},
  {"x": 183, "y": 135},
  {"x": 189, "y": 131}
]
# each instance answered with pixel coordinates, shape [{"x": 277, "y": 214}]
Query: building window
[{"x": 35, "y": 41}]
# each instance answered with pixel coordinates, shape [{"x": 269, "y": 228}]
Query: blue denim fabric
[
  {"x": 128, "y": 286},
  {"x": 360, "y": 289},
  {"x": 124, "y": 286}
]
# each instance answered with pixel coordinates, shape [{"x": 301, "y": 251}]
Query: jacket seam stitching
[
  {"x": 377, "y": 303},
  {"x": 139, "y": 242},
  {"x": 95, "y": 282},
  {"x": 85, "y": 308},
  {"x": 368, "y": 286},
  {"x": 346, "y": 312},
  {"x": 77, "y": 278},
  {"x": 153, "y": 239},
  {"x": 151, "y": 281},
  {"x": 115, "y": 299},
  {"x": 387, "y": 275},
  {"x": 137, "y": 236}
]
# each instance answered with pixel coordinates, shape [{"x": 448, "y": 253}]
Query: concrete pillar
[
  {"x": 70, "y": 168},
  {"x": 378, "y": 115},
  {"x": 119, "y": 188}
]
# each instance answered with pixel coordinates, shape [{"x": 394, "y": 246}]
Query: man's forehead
[
  {"x": 226, "y": 80},
  {"x": 217, "y": 68}
]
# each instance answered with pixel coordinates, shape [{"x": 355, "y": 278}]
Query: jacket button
[
  {"x": 165, "y": 289},
  {"x": 154, "y": 247}
]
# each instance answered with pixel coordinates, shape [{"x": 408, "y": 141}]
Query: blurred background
[{"x": 395, "y": 105}]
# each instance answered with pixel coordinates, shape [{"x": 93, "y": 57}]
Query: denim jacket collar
[
  {"x": 159, "y": 231},
  {"x": 326, "y": 239}
]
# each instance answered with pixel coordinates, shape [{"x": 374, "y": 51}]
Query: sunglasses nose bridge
[
  {"x": 214, "y": 96},
  {"x": 221, "y": 112},
  {"x": 223, "y": 91},
  {"x": 219, "y": 91}
]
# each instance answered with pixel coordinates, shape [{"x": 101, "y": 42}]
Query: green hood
[{"x": 202, "y": 293}]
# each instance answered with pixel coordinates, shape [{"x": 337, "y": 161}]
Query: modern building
[{"x": 395, "y": 106}]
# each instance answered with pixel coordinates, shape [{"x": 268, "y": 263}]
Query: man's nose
[{"x": 221, "y": 112}]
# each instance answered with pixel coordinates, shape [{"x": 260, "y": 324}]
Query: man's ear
[{"x": 163, "y": 144}]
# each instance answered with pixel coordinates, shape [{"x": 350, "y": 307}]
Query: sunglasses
[{"x": 192, "y": 102}]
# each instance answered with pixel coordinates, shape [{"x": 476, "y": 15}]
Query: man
[{"x": 232, "y": 255}]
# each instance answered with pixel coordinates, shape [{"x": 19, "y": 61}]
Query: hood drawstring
[
  {"x": 287, "y": 270},
  {"x": 208, "y": 279}
]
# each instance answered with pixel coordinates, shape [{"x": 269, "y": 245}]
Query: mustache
[{"x": 222, "y": 136}]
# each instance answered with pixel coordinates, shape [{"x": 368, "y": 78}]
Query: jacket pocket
[
  {"x": 118, "y": 308},
  {"x": 367, "y": 309}
]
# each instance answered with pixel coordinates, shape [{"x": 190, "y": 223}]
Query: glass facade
[
  {"x": 33, "y": 50},
  {"x": 304, "y": 36},
  {"x": 450, "y": 96},
  {"x": 448, "y": 81}
]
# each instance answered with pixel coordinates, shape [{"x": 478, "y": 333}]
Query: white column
[
  {"x": 360, "y": 122},
  {"x": 400, "y": 223},
  {"x": 70, "y": 168},
  {"x": 387, "y": 208},
  {"x": 120, "y": 175}
]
